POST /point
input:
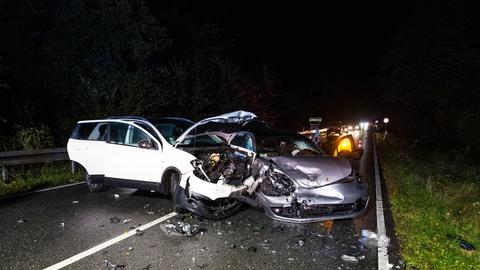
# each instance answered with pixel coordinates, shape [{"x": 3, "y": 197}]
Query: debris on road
[
  {"x": 182, "y": 229},
  {"x": 301, "y": 242},
  {"x": 351, "y": 259},
  {"x": 114, "y": 220},
  {"x": 125, "y": 221},
  {"x": 21, "y": 220},
  {"x": 113, "y": 266},
  {"x": 151, "y": 213},
  {"x": 62, "y": 225},
  {"x": 116, "y": 196},
  {"x": 75, "y": 202},
  {"x": 139, "y": 232}
]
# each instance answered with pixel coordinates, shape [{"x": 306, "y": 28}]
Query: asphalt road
[{"x": 42, "y": 229}]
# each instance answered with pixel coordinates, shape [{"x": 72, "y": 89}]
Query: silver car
[{"x": 280, "y": 171}]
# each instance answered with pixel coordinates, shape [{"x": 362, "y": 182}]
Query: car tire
[
  {"x": 93, "y": 187},
  {"x": 221, "y": 211},
  {"x": 174, "y": 182}
]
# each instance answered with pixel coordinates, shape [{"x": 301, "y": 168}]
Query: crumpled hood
[{"x": 314, "y": 171}]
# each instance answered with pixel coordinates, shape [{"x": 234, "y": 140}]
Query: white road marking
[
  {"x": 108, "y": 243},
  {"x": 383, "y": 240}
]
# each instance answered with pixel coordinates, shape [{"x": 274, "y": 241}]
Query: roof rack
[{"x": 128, "y": 117}]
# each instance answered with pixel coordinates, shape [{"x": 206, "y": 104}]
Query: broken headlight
[{"x": 277, "y": 183}]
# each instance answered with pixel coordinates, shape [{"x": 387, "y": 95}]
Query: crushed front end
[{"x": 284, "y": 200}]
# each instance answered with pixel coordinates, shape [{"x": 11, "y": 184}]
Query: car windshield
[
  {"x": 272, "y": 146},
  {"x": 201, "y": 140},
  {"x": 171, "y": 130}
]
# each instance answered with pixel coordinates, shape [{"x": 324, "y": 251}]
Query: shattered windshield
[{"x": 273, "y": 146}]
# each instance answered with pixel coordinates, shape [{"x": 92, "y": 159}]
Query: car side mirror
[{"x": 146, "y": 144}]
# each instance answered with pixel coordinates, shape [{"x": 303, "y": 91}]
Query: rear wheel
[{"x": 93, "y": 187}]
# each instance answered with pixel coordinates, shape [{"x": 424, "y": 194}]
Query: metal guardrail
[{"x": 14, "y": 158}]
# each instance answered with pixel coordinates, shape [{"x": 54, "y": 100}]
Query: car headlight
[{"x": 277, "y": 183}]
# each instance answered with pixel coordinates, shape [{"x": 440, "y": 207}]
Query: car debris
[
  {"x": 114, "y": 220},
  {"x": 181, "y": 229},
  {"x": 21, "y": 220},
  {"x": 350, "y": 259},
  {"x": 125, "y": 221},
  {"x": 113, "y": 266},
  {"x": 461, "y": 242},
  {"x": 240, "y": 160}
]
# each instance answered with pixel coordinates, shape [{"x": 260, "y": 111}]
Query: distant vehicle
[{"x": 219, "y": 163}]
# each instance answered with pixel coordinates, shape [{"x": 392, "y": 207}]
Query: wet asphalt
[{"x": 41, "y": 229}]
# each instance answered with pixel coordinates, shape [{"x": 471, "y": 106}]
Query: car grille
[{"x": 321, "y": 210}]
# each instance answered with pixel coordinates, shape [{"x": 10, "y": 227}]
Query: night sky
[{"x": 326, "y": 56}]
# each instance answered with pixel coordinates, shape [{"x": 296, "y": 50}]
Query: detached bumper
[{"x": 335, "y": 201}]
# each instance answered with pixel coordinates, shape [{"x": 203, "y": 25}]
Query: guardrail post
[
  {"x": 4, "y": 174},
  {"x": 74, "y": 167}
]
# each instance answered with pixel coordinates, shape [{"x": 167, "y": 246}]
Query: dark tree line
[
  {"x": 432, "y": 75},
  {"x": 63, "y": 61}
]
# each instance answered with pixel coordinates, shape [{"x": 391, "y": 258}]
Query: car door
[
  {"x": 126, "y": 160},
  {"x": 87, "y": 146}
]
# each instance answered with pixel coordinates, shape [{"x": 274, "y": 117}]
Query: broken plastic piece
[
  {"x": 125, "y": 221},
  {"x": 182, "y": 228},
  {"x": 21, "y": 220},
  {"x": 466, "y": 245},
  {"x": 461, "y": 242},
  {"x": 350, "y": 259},
  {"x": 112, "y": 266}
]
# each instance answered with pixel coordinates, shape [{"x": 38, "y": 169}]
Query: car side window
[
  {"x": 135, "y": 135},
  {"x": 125, "y": 134},
  {"x": 118, "y": 133},
  {"x": 90, "y": 131},
  {"x": 238, "y": 140}
]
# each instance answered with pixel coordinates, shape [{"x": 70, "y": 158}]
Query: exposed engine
[{"x": 228, "y": 165}]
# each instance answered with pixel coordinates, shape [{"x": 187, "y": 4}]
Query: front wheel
[
  {"x": 222, "y": 209},
  {"x": 93, "y": 187}
]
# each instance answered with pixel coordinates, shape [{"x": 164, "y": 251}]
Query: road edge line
[
  {"x": 108, "y": 243},
  {"x": 382, "y": 246}
]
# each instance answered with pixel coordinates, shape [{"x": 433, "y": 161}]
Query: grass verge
[
  {"x": 434, "y": 196},
  {"x": 38, "y": 176}
]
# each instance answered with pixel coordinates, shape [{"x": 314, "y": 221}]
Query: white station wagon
[{"x": 211, "y": 169}]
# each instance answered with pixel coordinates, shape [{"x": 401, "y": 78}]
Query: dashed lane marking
[{"x": 108, "y": 243}]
